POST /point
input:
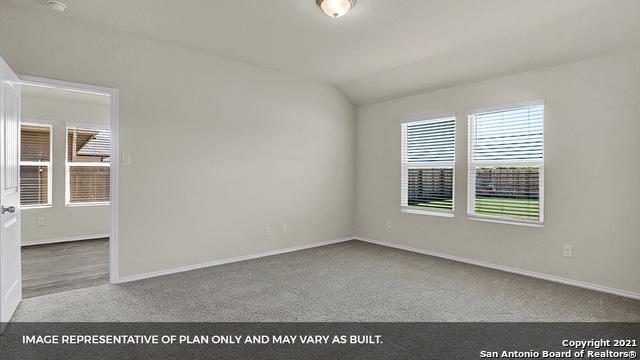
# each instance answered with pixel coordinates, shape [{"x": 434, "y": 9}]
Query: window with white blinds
[
  {"x": 428, "y": 166},
  {"x": 35, "y": 164},
  {"x": 88, "y": 165},
  {"x": 506, "y": 164}
]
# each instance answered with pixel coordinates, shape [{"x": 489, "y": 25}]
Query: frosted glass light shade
[{"x": 335, "y": 8}]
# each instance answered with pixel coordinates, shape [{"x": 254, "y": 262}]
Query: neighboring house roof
[{"x": 94, "y": 143}]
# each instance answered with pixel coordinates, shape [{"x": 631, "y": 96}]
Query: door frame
[{"x": 114, "y": 276}]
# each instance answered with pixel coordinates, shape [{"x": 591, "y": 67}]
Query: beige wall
[
  {"x": 61, "y": 221},
  {"x": 592, "y": 128},
  {"x": 219, "y": 149}
]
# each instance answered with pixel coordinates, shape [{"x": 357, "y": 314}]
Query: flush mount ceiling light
[
  {"x": 335, "y": 8},
  {"x": 57, "y": 6}
]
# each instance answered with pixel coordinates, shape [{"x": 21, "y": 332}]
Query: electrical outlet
[
  {"x": 267, "y": 230},
  {"x": 388, "y": 224},
  {"x": 567, "y": 251},
  {"x": 285, "y": 228},
  {"x": 40, "y": 221}
]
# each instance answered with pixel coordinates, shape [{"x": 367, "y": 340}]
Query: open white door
[{"x": 10, "y": 271}]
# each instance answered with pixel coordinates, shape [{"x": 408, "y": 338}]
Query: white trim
[
  {"x": 115, "y": 138},
  {"x": 86, "y": 204},
  {"x": 36, "y": 121},
  {"x": 231, "y": 260},
  {"x": 35, "y": 163},
  {"x": 417, "y": 211},
  {"x": 64, "y": 239},
  {"x": 508, "y": 163},
  {"x": 405, "y": 165},
  {"x": 429, "y": 117},
  {"x": 501, "y": 107},
  {"x": 84, "y": 126},
  {"x": 430, "y": 165},
  {"x": 29, "y": 207},
  {"x": 552, "y": 278},
  {"x": 501, "y": 220},
  {"x": 65, "y": 85},
  {"x": 113, "y": 192},
  {"x": 473, "y": 165},
  {"x": 90, "y": 164}
]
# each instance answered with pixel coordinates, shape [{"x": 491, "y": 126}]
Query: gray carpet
[{"x": 352, "y": 281}]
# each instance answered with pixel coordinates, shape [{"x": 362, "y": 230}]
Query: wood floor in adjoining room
[{"x": 54, "y": 268}]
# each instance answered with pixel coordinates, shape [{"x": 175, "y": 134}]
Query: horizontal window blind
[
  {"x": 507, "y": 164},
  {"x": 428, "y": 160},
  {"x": 509, "y": 135},
  {"x": 431, "y": 141},
  {"x": 35, "y": 142},
  {"x": 34, "y": 185},
  {"x": 88, "y": 165},
  {"x": 89, "y": 184},
  {"x": 35, "y": 164}
]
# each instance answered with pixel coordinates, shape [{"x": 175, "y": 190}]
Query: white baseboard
[
  {"x": 600, "y": 288},
  {"x": 536, "y": 275},
  {"x": 64, "y": 239},
  {"x": 230, "y": 260}
]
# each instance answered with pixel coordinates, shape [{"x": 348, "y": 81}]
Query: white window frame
[
  {"x": 471, "y": 183},
  {"x": 67, "y": 164},
  {"x": 48, "y": 164},
  {"x": 405, "y": 166}
]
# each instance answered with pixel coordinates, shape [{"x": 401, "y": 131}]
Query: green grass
[
  {"x": 511, "y": 208},
  {"x": 501, "y": 207},
  {"x": 435, "y": 205}
]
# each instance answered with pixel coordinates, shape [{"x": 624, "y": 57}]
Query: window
[
  {"x": 428, "y": 166},
  {"x": 88, "y": 165},
  {"x": 506, "y": 164},
  {"x": 35, "y": 164}
]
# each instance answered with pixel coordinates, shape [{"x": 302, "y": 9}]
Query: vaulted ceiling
[{"x": 382, "y": 48}]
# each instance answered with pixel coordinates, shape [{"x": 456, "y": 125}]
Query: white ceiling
[{"x": 382, "y": 48}]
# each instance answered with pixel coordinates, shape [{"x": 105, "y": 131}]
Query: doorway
[{"x": 68, "y": 185}]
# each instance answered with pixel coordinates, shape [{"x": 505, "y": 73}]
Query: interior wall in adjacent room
[{"x": 60, "y": 221}]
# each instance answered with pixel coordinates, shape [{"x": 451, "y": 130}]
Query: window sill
[
  {"x": 29, "y": 207},
  {"x": 427, "y": 212},
  {"x": 88, "y": 204},
  {"x": 537, "y": 224}
]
